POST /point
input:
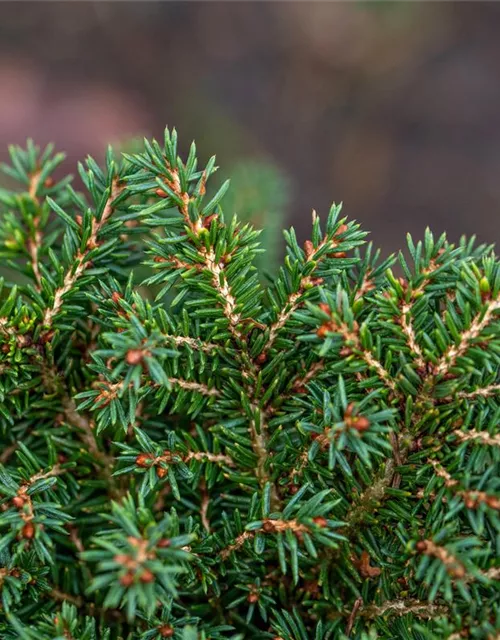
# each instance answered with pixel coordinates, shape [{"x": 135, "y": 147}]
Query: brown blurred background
[{"x": 393, "y": 108}]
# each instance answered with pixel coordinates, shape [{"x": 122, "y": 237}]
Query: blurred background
[{"x": 392, "y": 108}]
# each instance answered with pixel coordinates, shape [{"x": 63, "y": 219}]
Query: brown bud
[
  {"x": 470, "y": 502},
  {"x": 268, "y": 526},
  {"x": 312, "y": 587},
  {"x": 365, "y": 569},
  {"x": 166, "y": 631},
  {"x": 49, "y": 182},
  {"x": 323, "y": 330},
  {"x": 421, "y": 546},
  {"x": 144, "y": 460},
  {"x": 161, "y": 194},
  {"x": 127, "y": 579},
  {"x": 78, "y": 219},
  {"x": 159, "y": 259},
  {"x": 308, "y": 248},
  {"x": 163, "y": 543},
  {"x": 325, "y": 308},
  {"x": 342, "y": 229},
  {"x": 493, "y": 502},
  {"x": 46, "y": 337},
  {"x": 252, "y": 598},
  {"x": 134, "y": 356},
  {"x": 121, "y": 558},
  {"x": 116, "y": 296},
  {"x": 459, "y": 572},
  {"x": 18, "y": 501},
  {"x": 208, "y": 220},
  {"x": 485, "y": 295},
  {"x": 147, "y": 576},
  {"x": 361, "y": 423},
  {"x": 161, "y": 472},
  {"x": 28, "y": 531},
  {"x": 338, "y": 254},
  {"x": 320, "y": 521},
  {"x": 261, "y": 358},
  {"x": 5, "y": 348},
  {"x": 293, "y": 489}
]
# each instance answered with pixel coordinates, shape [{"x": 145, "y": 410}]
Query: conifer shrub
[{"x": 202, "y": 455}]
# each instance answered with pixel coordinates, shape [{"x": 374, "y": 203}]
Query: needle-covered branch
[{"x": 188, "y": 453}]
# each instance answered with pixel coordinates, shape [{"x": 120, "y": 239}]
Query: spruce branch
[
  {"x": 313, "y": 257},
  {"x": 482, "y": 392},
  {"x": 221, "y": 285},
  {"x": 300, "y": 382},
  {"x": 473, "y": 499},
  {"x": 195, "y": 386},
  {"x": 477, "y": 326},
  {"x": 409, "y": 331},
  {"x": 81, "y": 259},
  {"x": 421, "y": 609},
  {"x": 481, "y": 437},
  {"x": 453, "y": 566},
  {"x": 35, "y": 240},
  {"x": 352, "y": 341},
  {"x": 82, "y": 425},
  {"x": 239, "y": 542},
  {"x": 61, "y": 596},
  {"x": 312, "y": 459}
]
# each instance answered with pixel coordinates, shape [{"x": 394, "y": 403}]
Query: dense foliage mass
[{"x": 202, "y": 455}]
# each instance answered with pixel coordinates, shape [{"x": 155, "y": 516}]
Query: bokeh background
[{"x": 393, "y": 108}]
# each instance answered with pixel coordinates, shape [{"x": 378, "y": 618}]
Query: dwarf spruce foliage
[{"x": 201, "y": 455}]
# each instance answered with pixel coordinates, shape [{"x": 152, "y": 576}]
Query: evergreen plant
[{"x": 202, "y": 455}]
